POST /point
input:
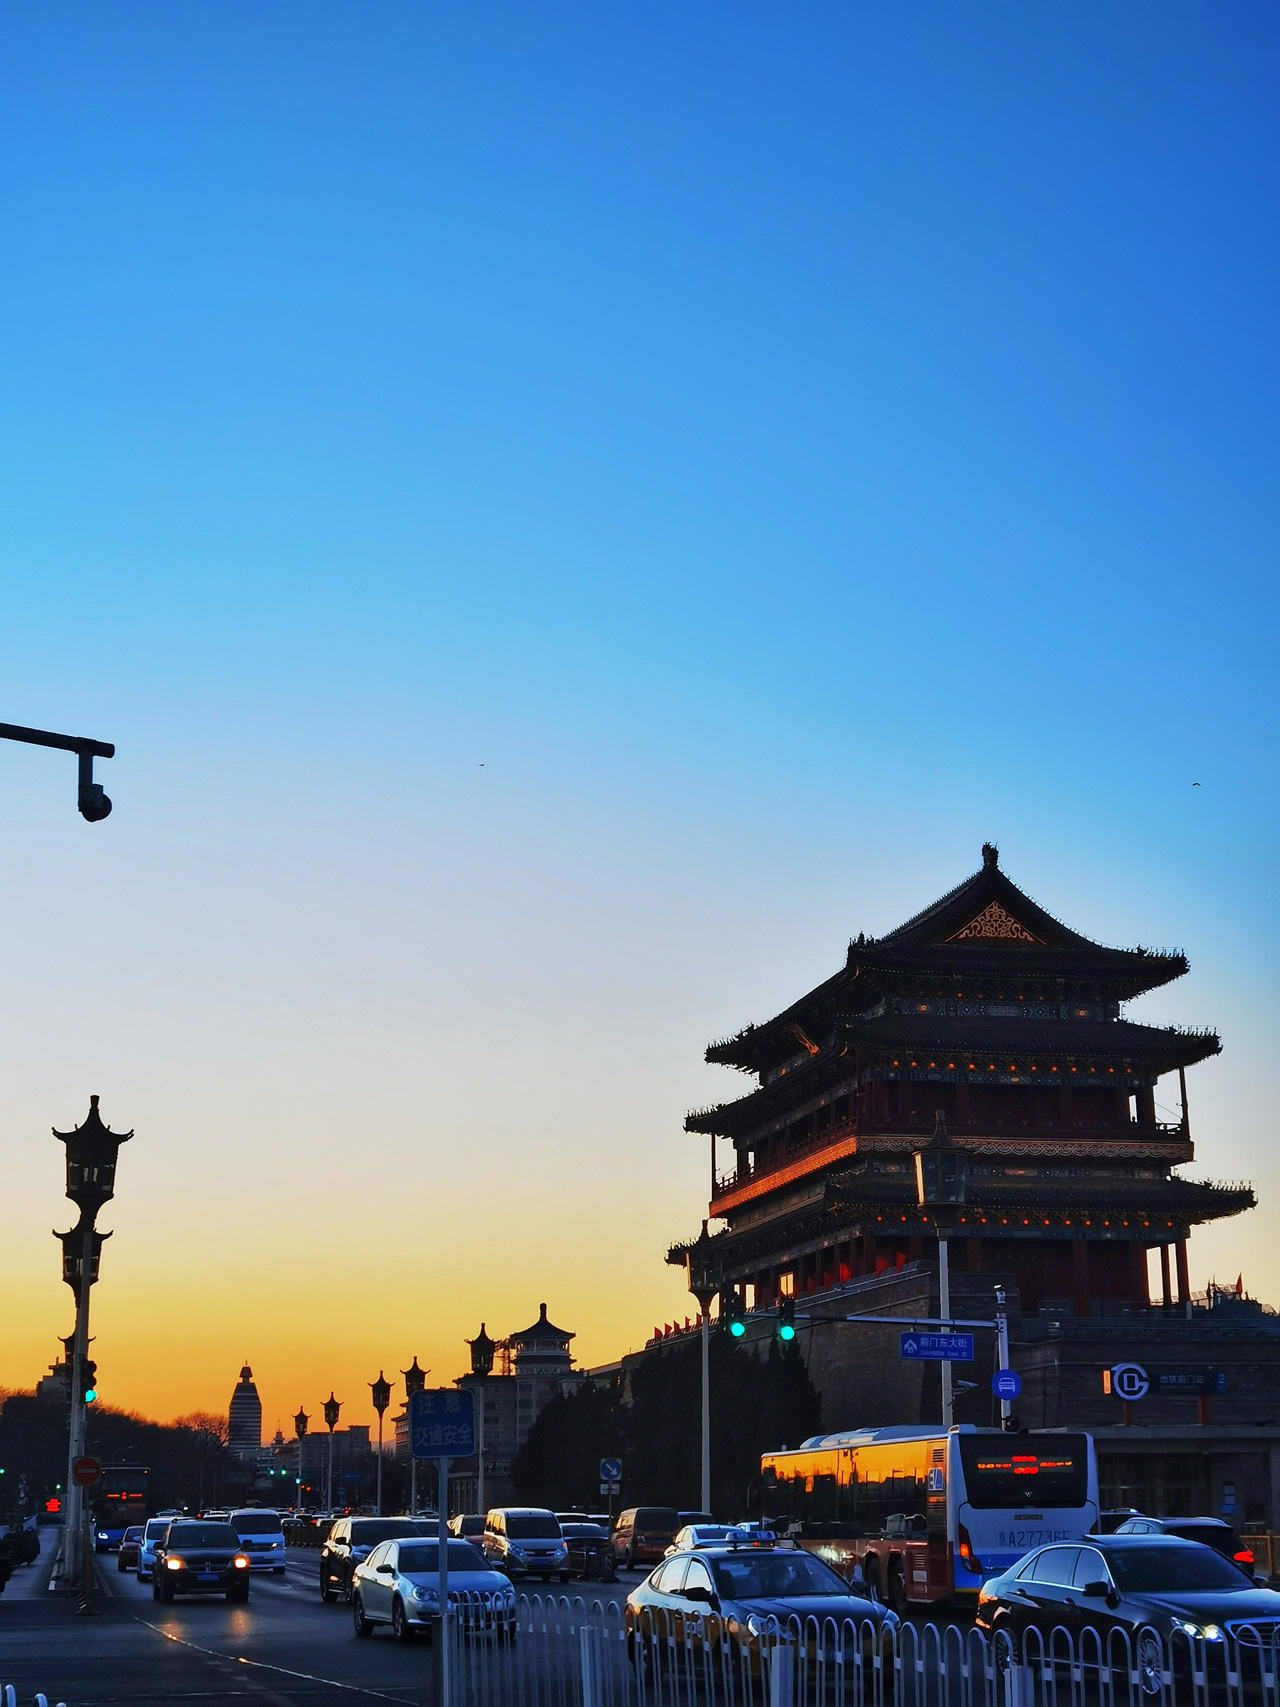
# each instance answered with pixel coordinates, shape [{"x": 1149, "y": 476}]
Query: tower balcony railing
[{"x": 785, "y": 1158}]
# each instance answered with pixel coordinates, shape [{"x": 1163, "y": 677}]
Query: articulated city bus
[{"x": 927, "y": 1514}]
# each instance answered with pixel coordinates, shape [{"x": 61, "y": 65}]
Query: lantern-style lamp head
[
  {"x": 91, "y": 1161},
  {"x": 482, "y": 1350},
  {"x": 331, "y": 1408},
  {"x": 300, "y": 1424},
  {"x": 942, "y": 1175},
  {"x": 415, "y": 1379},
  {"x": 381, "y": 1389},
  {"x": 703, "y": 1270},
  {"x": 73, "y": 1257}
]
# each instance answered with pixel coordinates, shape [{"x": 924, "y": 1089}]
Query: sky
[{"x": 570, "y": 512}]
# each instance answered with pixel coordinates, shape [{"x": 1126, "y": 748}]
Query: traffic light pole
[{"x": 71, "y": 1554}]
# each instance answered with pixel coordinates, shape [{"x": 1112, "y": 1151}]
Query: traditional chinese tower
[
  {"x": 244, "y": 1415},
  {"x": 988, "y": 1009}
]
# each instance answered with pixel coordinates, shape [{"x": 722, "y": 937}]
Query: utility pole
[{"x": 942, "y": 1177}]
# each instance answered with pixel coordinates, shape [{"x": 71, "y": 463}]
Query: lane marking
[{"x": 261, "y": 1665}]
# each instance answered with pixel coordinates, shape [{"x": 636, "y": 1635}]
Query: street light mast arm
[{"x": 92, "y": 801}]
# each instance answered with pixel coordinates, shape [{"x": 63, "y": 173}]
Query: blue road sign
[
  {"x": 611, "y": 1469},
  {"x": 937, "y": 1348},
  {"x": 442, "y": 1423},
  {"x": 1006, "y": 1383}
]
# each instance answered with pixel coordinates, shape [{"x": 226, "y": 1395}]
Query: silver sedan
[{"x": 398, "y": 1585}]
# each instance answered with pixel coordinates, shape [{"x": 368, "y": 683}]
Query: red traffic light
[{"x": 53, "y": 1505}]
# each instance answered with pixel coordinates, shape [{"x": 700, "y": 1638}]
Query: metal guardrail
[
  {"x": 11, "y": 1698},
  {"x": 574, "y": 1652}
]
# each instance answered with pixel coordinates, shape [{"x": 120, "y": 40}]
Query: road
[{"x": 285, "y": 1646}]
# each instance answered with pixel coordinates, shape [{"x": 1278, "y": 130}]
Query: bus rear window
[{"x": 1023, "y": 1470}]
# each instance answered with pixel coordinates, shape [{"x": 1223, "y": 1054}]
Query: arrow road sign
[
  {"x": 86, "y": 1471},
  {"x": 937, "y": 1348},
  {"x": 611, "y": 1469},
  {"x": 1006, "y": 1383},
  {"x": 442, "y": 1423}
]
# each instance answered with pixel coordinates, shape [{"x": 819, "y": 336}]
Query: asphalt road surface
[{"x": 285, "y": 1646}]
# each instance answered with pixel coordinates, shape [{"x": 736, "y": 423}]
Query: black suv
[
  {"x": 350, "y": 1541},
  {"x": 200, "y": 1558},
  {"x": 1209, "y": 1531}
]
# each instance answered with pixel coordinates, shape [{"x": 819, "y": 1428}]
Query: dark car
[
  {"x": 697, "y": 1602},
  {"x": 350, "y": 1542},
  {"x": 1146, "y": 1586},
  {"x": 21, "y": 1546},
  {"x": 1209, "y": 1531},
  {"x": 590, "y": 1555},
  {"x": 196, "y": 1557},
  {"x": 127, "y": 1558},
  {"x": 1110, "y": 1521},
  {"x": 642, "y": 1534}
]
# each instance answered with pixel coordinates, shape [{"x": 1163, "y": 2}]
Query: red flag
[{"x": 1239, "y": 1286}]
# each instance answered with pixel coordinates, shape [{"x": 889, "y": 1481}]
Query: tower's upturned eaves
[{"x": 986, "y": 934}]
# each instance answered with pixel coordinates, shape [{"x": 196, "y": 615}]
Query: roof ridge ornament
[{"x": 990, "y": 856}]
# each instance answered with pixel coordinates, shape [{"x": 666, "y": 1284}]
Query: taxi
[{"x": 747, "y": 1595}]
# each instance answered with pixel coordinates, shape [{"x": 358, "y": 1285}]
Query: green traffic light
[
  {"x": 786, "y": 1331},
  {"x": 91, "y": 1395},
  {"x": 737, "y": 1328}
]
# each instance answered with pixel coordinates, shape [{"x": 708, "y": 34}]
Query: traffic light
[
  {"x": 88, "y": 1381},
  {"x": 53, "y": 1505},
  {"x": 787, "y": 1320},
  {"x": 732, "y": 1314}
]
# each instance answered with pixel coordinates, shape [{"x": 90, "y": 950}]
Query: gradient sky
[{"x": 570, "y": 512}]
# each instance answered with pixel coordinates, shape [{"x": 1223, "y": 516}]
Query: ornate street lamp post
[
  {"x": 91, "y": 1153},
  {"x": 705, "y": 1276},
  {"x": 415, "y": 1380},
  {"x": 942, "y": 1183},
  {"x": 300, "y": 1429},
  {"x": 331, "y": 1408},
  {"x": 482, "y": 1350},
  {"x": 381, "y": 1389}
]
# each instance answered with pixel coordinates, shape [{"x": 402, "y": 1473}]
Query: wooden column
[
  {"x": 964, "y": 1107},
  {"x": 868, "y": 1253},
  {"x": 1166, "y": 1288},
  {"x": 1066, "y": 1110},
  {"x": 904, "y": 1098},
  {"x": 1184, "y": 1279},
  {"x": 1146, "y": 1103},
  {"x": 1082, "y": 1291},
  {"x": 1138, "y": 1293}
]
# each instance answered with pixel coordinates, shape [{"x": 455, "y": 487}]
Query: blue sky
[{"x": 569, "y": 512}]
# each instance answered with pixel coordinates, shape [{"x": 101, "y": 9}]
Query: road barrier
[
  {"x": 579, "y": 1652},
  {"x": 11, "y": 1698}
]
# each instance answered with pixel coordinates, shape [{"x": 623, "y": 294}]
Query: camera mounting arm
[{"x": 92, "y": 801}]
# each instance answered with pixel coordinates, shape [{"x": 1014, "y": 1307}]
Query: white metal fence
[
  {"x": 10, "y": 1698},
  {"x": 578, "y": 1652}
]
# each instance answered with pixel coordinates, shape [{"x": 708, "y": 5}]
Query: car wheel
[
  {"x": 155, "y": 1589},
  {"x": 897, "y": 1590},
  {"x": 363, "y": 1625},
  {"x": 326, "y": 1588},
  {"x": 628, "y": 1561},
  {"x": 564, "y": 1576},
  {"x": 348, "y": 1589},
  {"x": 277, "y": 1570},
  {"x": 121, "y": 1566},
  {"x": 1150, "y": 1665},
  {"x": 401, "y": 1628},
  {"x": 166, "y": 1594}
]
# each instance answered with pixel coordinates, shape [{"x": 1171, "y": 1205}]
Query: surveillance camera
[{"x": 95, "y": 804}]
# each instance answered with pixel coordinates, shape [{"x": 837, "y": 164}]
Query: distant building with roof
[{"x": 244, "y": 1416}]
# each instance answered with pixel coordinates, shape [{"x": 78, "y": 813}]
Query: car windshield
[
  {"x": 659, "y": 1517},
  {"x": 258, "y": 1523},
  {"x": 367, "y": 1532},
  {"x": 203, "y": 1535},
  {"x": 776, "y": 1576},
  {"x": 424, "y": 1556},
  {"x": 133, "y": 1534},
  {"x": 583, "y": 1531},
  {"x": 533, "y": 1527},
  {"x": 1161, "y": 1570},
  {"x": 156, "y": 1529}
]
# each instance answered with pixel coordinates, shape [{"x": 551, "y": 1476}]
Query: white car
[
  {"x": 703, "y": 1535},
  {"x": 155, "y": 1529},
  {"x": 398, "y": 1584},
  {"x": 262, "y": 1537}
]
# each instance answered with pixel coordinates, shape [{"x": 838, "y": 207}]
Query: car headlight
[
  {"x": 562, "y": 1548},
  {"x": 1199, "y": 1632},
  {"x": 173, "y": 1564},
  {"x": 240, "y": 1562},
  {"x": 516, "y": 1552},
  {"x": 424, "y": 1594}
]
